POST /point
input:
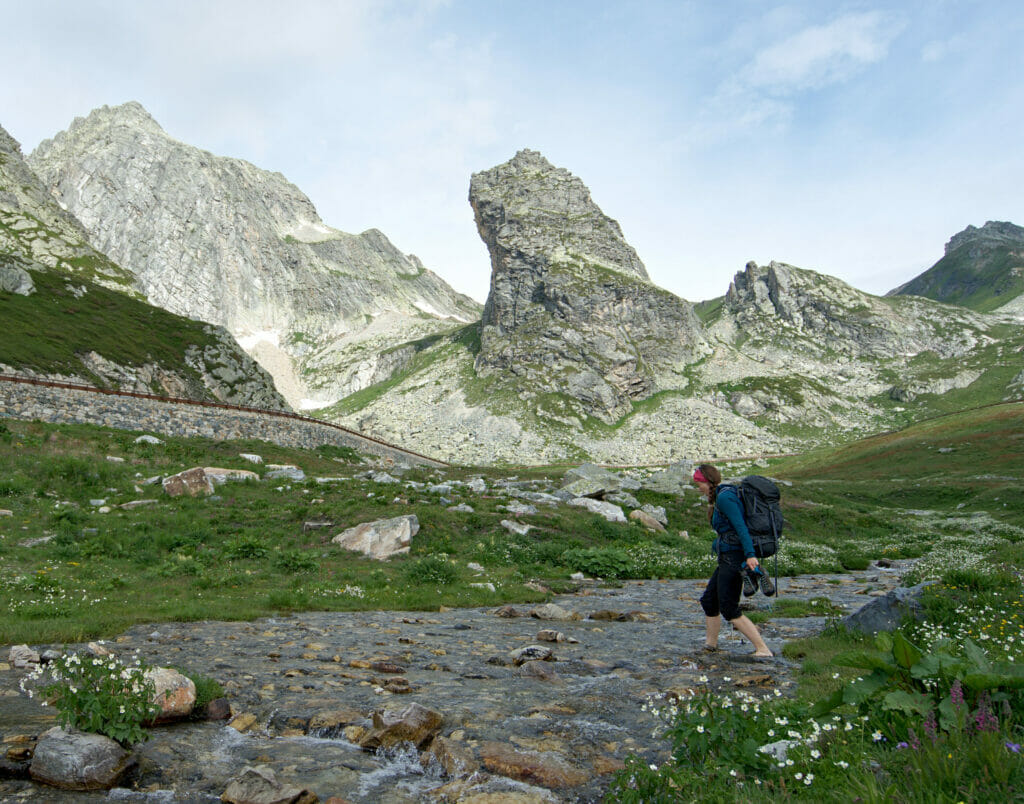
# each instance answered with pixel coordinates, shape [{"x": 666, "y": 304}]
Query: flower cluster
[{"x": 98, "y": 694}]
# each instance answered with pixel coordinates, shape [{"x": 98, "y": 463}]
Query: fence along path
[{"x": 61, "y": 402}]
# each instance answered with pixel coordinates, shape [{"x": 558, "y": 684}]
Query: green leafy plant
[
  {"x": 98, "y": 694},
  {"x": 603, "y": 562},
  {"x": 431, "y": 570}
]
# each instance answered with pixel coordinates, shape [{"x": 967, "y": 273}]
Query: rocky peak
[
  {"x": 530, "y": 206},
  {"x": 221, "y": 240},
  {"x": 993, "y": 233},
  {"x": 571, "y": 310},
  {"x": 783, "y": 306}
]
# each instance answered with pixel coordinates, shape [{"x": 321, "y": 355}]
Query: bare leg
[
  {"x": 713, "y": 626},
  {"x": 749, "y": 630}
]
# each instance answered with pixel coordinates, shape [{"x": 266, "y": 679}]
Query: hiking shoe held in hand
[
  {"x": 764, "y": 580},
  {"x": 748, "y": 584}
]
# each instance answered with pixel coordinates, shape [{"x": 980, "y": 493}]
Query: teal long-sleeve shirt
[{"x": 728, "y": 523}]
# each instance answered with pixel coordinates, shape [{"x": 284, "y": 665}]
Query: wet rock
[
  {"x": 380, "y": 539},
  {"x": 538, "y": 669},
  {"x": 415, "y": 724},
  {"x": 647, "y": 521},
  {"x": 507, "y": 612},
  {"x": 192, "y": 482},
  {"x": 175, "y": 694},
  {"x": 608, "y": 510},
  {"x": 552, "y": 611},
  {"x": 246, "y": 721},
  {"x": 217, "y": 709},
  {"x": 545, "y": 769},
  {"x": 621, "y": 616},
  {"x": 454, "y": 758},
  {"x": 22, "y": 656},
  {"x": 258, "y": 785},
  {"x": 74, "y": 760},
  {"x": 550, "y": 635},
  {"x": 532, "y": 653}
]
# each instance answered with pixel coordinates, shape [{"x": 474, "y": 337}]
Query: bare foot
[{"x": 766, "y": 655}]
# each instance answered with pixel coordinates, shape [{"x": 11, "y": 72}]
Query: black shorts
[{"x": 722, "y": 595}]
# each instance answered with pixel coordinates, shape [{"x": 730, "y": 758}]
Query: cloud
[{"x": 821, "y": 55}]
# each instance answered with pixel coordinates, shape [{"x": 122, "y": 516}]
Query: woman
[{"x": 735, "y": 549}]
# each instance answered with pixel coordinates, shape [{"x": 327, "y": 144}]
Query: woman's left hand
[{"x": 752, "y": 563}]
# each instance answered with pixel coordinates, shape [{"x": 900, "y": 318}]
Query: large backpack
[{"x": 762, "y": 513}]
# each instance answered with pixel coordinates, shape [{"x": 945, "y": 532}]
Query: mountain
[
  {"x": 69, "y": 311},
  {"x": 571, "y": 311},
  {"x": 788, "y": 357},
  {"x": 220, "y": 240},
  {"x": 982, "y": 269}
]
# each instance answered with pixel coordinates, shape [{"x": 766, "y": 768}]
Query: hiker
[{"x": 722, "y": 596}]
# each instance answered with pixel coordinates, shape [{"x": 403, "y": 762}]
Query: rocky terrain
[
  {"x": 981, "y": 268},
  {"x": 220, "y": 240},
  {"x": 571, "y": 311},
  {"x": 537, "y": 704},
  {"x": 49, "y": 273},
  {"x": 578, "y": 356}
]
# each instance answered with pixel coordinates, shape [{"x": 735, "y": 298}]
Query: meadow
[{"x": 75, "y": 565}]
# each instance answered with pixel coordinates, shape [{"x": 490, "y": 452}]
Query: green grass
[
  {"x": 48, "y": 330},
  {"x": 981, "y": 283}
]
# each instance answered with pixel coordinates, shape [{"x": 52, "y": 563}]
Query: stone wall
[{"x": 22, "y": 398}]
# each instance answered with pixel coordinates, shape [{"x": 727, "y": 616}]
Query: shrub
[
  {"x": 603, "y": 562},
  {"x": 97, "y": 694},
  {"x": 431, "y": 570},
  {"x": 296, "y": 561},
  {"x": 246, "y": 547}
]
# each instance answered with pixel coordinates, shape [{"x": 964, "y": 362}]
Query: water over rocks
[{"x": 304, "y": 691}]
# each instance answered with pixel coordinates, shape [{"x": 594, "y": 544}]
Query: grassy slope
[
  {"x": 247, "y": 553},
  {"x": 48, "y": 329},
  {"x": 982, "y": 284}
]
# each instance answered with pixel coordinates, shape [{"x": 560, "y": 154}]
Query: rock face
[
  {"x": 981, "y": 268},
  {"x": 46, "y": 257},
  {"x": 221, "y": 240},
  {"x": 75, "y": 760},
  {"x": 571, "y": 309}
]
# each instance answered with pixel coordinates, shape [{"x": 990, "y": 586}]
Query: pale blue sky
[{"x": 853, "y": 138}]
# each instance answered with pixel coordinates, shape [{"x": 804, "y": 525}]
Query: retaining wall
[{"x": 64, "y": 403}]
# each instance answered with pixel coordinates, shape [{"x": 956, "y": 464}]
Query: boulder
[
  {"x": 608, "y": 510},
  {"x": 14, "y": 279},
  {"x": 657, "y": 511},
  {"x": 454, "y": 758},
  {"x": 380, "y": 539},
  {"x": 415, "y": 724},
  {"x": 546, "y": 769},
  {"x": 286, "y": 471},
  {"x": 532, "y": 653},
  {"x": 646, "y": 520},
  {"x": 552, "y": 611},
  {"x": 174, "y": 693},
  {"x": 258, "y": 785},
  {"x": 250, "y": 457},
  {"x": 22, "y": 656},
  {"x": 887, "y": 612},
  {"x": 148, "y": 439},
  {"x": 75, "y": 760},
  {"x": 672, "y": 479},
  {"x": 220, "y": 476},
  {"x": 518, "y": 528},
  {"x": 517, "y": 508},
  {"x": 192, "y": 482}
]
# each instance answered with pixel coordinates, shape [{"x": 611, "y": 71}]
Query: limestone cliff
[
  {"x": 571, "y": 309},
  {"x": 69, "y": 312},
  {"x": 221, "y": 240}
]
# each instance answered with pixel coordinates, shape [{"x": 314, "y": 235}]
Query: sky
[{"x": 851, "y": 138}]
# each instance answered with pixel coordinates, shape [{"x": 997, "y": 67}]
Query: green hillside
[{"x": 982, "y": 279}]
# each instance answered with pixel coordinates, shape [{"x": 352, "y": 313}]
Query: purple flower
[
  {"x": 902, "y": 744},
  {"x": 1015, "y": 747},
  {"x": 956, "y": 694}
]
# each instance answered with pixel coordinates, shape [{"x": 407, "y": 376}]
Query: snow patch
[
  {"x": 429, "y": 309},
  {"x": 309, "y": 232},
  {"x": 271, "y": 336}
]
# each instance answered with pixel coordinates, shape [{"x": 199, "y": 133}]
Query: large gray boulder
[
  {"x": 381, "y": 539},
  {"x": 672, "y": 479},
  {"x": 590, "y": 480},
  {"x": 75, "y": 760},
  {"x": 888, "y": 612},
  {"x": 571, "y": 310}
]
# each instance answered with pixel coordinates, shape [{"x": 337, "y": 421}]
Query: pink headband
[{"x": 698, "y": 476}]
